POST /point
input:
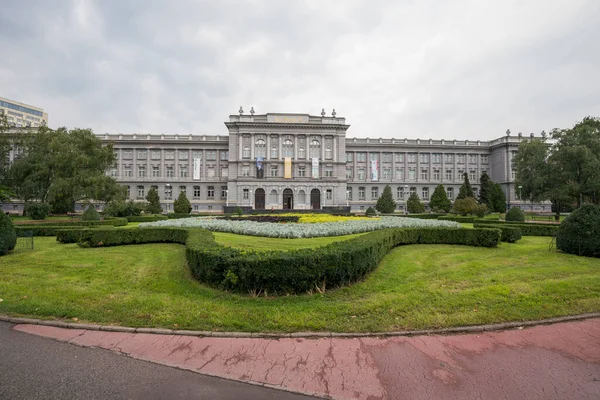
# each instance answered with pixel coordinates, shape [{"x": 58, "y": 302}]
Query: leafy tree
[
  {"x": 37, "y": 210},
  {"x": 468, "y": 206},
  {"x": 439, "y": 200},
  {"x": 385, "y": 202},
  {"x": 61, "y": 167},
  {"x": 465, "y": 189},
  {"x": 182, "y": 205},
  {"x": 485, "y": 185},
  {"x": 497, "y": 198},
  {"x": 414, "y": 204},
  {"x": 154, "y": 206}
]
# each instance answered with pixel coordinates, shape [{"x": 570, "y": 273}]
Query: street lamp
[
  {"x": 347, "y": 197},
  {"x": 226, "y": 198},
  {"x": 520, "y": 187},
  {"x": 405, "y": 199}
]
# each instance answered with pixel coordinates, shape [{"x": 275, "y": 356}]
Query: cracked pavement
[{"x": 560, "y": 361}]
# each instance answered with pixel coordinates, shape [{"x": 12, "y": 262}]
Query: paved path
[
  {"x": 33, "y": 367},
  {"x": 560, "y": 361}
]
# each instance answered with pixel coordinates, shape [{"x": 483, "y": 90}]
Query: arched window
[
  {"x": 315, "y": 149},
  {"x": 260, "y": 148},
  {"x": 301, "y": 197},
  {"x": 301, "y": 152},
  {"x": 274, "y": 152},
  {"x": 246, "y": 152},
  {"x": 273, "y": 197},
  {"x": 288, "y": 148},
  {"x": 328, "y": 153}
]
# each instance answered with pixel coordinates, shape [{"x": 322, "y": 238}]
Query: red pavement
[{"x": 560, "y": 361}]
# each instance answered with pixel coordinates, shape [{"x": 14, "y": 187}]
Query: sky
[{"x": 460, "y": 69}]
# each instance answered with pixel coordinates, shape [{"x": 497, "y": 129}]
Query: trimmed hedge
[
  {"x": 515, "y": 214},
  {"x": 147, "y": 218},
  {"x": 45, "y": 230},
  {"x": 106, "y": 221},
  {"x": 456, "y": 218},
  {"x": 180, "y": 215},
  {"x": 510, "y": 234},
  {"x": 527, "y": 228},
  {"x": 296, "y": 271}
]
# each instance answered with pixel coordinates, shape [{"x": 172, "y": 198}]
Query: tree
[
  {"x": 469, "y": 205},
  {"x": 182, "y": 205},
  {"x": 414, "y": 204},
  {"x": 497, "y": 198},
  {"x": 485, "y": 185},
  {"x": 154, "y": 206},
  {"x": 61, "y": 167},
  {"x": 439, "y": 200},
  {"x": 385, "y": 202},
  {"x": 465, "y": 189}
]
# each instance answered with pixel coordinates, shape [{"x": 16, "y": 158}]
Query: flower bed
[{"x": 347, "y": 227}]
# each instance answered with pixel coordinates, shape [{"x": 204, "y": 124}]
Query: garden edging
[{"x": 306, "y": 335}]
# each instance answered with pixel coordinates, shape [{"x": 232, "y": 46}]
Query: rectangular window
[
  {"x": 183, "y": 155},
  {"x": 329, "y": 172},
  {"x": 436, "y": 158},
  {"x": 448, "y": 158},
  {"x": 450, "y": 193},
  {"x": 412, "y": 173},
  {"x": 361, "y": 174},
  {"x": 245, "y": 170},
  {"x": 301, "y": 152},
  {"x": 246, "y": 152},
  {"x": 224, "y": 154},
  {"x": 399, "y": 157},
  {"x": 114, "y": 171},
  {"x": 127, "y": 154},
  {"x": 274, "y": 152},
  {"x": 210, "y": 193},
  {"x": 224, "y": 172},
  {"x": 169, "y": 154},
  {"x": 412, "y": 190},
  {"x": 141, "y": 171},
  {"x": 374, "y": 193},
  {"x": 246, "y": 194},
  {"x": 223, "y": 192},
  {"x": 436, "y": 174},
  {"x": 329, "y": 194},
  {"x": 140, "y": 190},
  {"x": 183, "y": 189},
  {"x": 424, "y": 157},
  {"x": 387, "y": 174},
  {"x": 349, "y": 174},
  {"x": 484, "y": 159},
  {"x": 461, "y": 158},
  {"x": 127, "y": 171},
  {"x": 197, "y": 155},
  {"x": 400, "y": 192},
  {"x": 348, "y": 157},
  {"x": 210, "y": 173},
  {"x": 328, "y": 153},
  {"x": 425, "y": 193},
  {"x": 155, "y": 171},
  {"x": 400, "y": 173},
  {"x": 170, "y": 171},
  {"x": 449, "y": 174},
  {"x": 183, "y": 171},
  {"x": 274, "y": 171},
  {"x": 386, "y": 157},
  {"x": 196, "y": 192},
  {"x": 301, "y": 171},
  {"x": 411, "y": 158},
  {"x": 211, "y": 155},
  {"x": 472, "y": 175},
  {"x": 348, "y": 193},
  {"x": 155, "y": 154},
  {"x": 473, "y": 158},
  {"x": 460, "y": 175},
  {"x": 361, "y": 157},
  {"x": 513, "y": 174},
  {"x": 374, "y": 156},
  {"x": 141, "y": 154},
  {"x": 424, "y": 174},
  {"x": 128, "y": 191},
  {"x": 361, "y": 193}
]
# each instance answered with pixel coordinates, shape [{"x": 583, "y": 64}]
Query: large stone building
[
  {"x": 300, "y": 161},
  {"x": 21, "y": 114}
]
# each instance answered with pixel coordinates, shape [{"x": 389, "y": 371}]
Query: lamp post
[
  {"x": 347, "y": 197},
  {"x": 226, "y": 198},
  {"x": 406, "y": 199},
  {"x": 520, "y": 198}
]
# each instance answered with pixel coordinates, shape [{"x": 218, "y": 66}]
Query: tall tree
[
  {"x": 414, "y": 205},
  {"x": 497, "y": 198},
  {"x": 154, "y": 206},
  {"x": 385, "y": 202},
  {"x": 465, "y": 189},
  {"x": 485, "y": 185},
  {"x": 61, "y": 167},
  {"x": 439, "y": 200},
  {"x": 182, "y": 205}
]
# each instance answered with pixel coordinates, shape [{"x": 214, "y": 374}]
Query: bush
[
  {"x": 153, "y": 206},
  {"x": 124, "y": 208},
  {"x": 297, "y": 271},
  {"x": 37, "y": 210},
  {"x": 90, "y": 214},
  {"x": 515, "y": 214},
  {"x": 457, "y": 218},
  {"x": 385, "y": 202},
  {"x": 370, "y": 212},
  {"x": 107, "y": 221},
  {"x": 526, "y": 228},
  {"x": 8, "y": 236},
  {"x": 238, "y": 211},
  {"x": 469, "y": 206},
  {"x": 414, "y": 205},
  {"x": 579, "y": 233},
  {"x": 147, "y": 218},
  {"x": 510, "y": 234},
  {"x": 44, "y": 230},
  {"x": 182, "y": 205}
]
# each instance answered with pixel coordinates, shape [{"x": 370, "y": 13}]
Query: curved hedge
[
  {"x": 510, "y": 234},
  {"x": 281, "y": 272},
  {"x": 457, "y": 218},
  {"x": 527, "y": 228},
  {"x": 106, "y": 221}
]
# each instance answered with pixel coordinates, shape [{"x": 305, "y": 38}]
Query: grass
[{"x": 414, "y": 287}]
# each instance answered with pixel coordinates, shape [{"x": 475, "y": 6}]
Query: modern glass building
[{"x": 21, "y": 114}]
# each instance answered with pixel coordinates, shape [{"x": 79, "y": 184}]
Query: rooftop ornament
[
  {"x": 508, "y": 132},
  {"x": 323, "y": 112},
  {"x": 241, "y": 111},
  {"x": 333, "y": 113},
  {"x": 252, "y": 110}
]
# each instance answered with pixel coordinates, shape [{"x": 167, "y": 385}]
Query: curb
[{"x": 306, "y": 335}]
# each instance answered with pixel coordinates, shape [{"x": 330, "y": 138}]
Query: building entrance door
[
  {"x": 288, "y": 199},
  {"x": 315, "y": 199},
  {"x": 259, "y": 199}
]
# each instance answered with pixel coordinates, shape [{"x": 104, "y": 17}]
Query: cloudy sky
[{"x": 465, "y": 69}]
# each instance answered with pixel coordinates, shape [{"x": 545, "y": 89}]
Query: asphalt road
[{"x": 33, "y": 367}]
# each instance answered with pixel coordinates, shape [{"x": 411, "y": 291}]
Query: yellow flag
[{"x": 287, "y": 171}]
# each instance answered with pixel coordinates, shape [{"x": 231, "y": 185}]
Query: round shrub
[
  {"x": 90, "y": 214},
  {"x": 8, "y": 237},
  {"x": 370, "y": 212},
  {"x": 37, "y": 210},
  {"x": 238, "y": 211},
  {"x": 579, "y": 233},
  {"x": 515, "y": 214}
]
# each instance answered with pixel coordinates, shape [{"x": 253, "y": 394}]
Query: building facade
[
  {"x": 22, "y": 115},
  {"x": 300, "y": 161}
]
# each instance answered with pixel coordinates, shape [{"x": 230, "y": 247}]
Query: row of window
[
  {"x": 287, "y": 149},
  {"x": 386, "y": 174},
  {"x": 274, "y": 171},
  {"x": 141, "y": 171},
  {"x": 401, "y": 192},
  {"x": 436, "y": 158},
  {"x": 21, "y": 108},
  {"x": 168, "y": 192},
  {"x": 300, "y": 197},
  {"x": 182, "y": 155}
]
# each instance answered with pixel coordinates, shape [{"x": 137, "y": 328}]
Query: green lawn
[{"x": 416, "y": 286}]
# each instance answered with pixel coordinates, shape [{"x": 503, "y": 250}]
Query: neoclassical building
[{"x": 301, "y": 161}]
